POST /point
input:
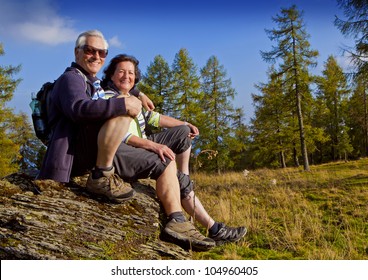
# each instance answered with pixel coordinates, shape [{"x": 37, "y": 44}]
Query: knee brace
[{"x": 186, "y": 185}]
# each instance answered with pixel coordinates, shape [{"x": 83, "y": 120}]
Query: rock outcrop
[{"x": 49, "y": 220}]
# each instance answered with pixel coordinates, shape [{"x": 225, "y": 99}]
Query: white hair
[{"x": 81, "y": 40}]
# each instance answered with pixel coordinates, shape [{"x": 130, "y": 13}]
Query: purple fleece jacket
[{"x": 69, "y": 106}]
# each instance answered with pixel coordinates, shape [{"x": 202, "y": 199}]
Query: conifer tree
[
  {"x": 31, "y": 149},
  {"x": 333, "y": 92},
  {"x": 217, "y": 133},
  {"x": 238, "y": 142},
  {"x": 9, "y": 149},
  {"x": 355, "y": 26},
  {"x": 157, "y": 84},
  {"x": 344, "y": 146},
  {"x": 357, "y": 119},
  {"x": 185, "y": 94},
  {"x": 319, "y": 115},
  {"x": 270, "y": 126},
  {"x": 293, "y": 50}
]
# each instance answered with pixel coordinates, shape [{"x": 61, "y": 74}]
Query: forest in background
[{"x": 300, "y": 118}]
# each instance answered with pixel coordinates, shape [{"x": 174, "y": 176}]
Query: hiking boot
[
  {"x": 187, "y": 236},
  {"x": 110, "y": 185},
  {"x": 228, "y": 234}
]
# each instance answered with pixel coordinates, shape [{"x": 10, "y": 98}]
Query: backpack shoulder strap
[
  {"x": 85, "y": 79},
  {"x": 80, "y": 73}
]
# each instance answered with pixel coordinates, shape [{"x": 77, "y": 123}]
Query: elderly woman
[{"x": 149, "y": 156}]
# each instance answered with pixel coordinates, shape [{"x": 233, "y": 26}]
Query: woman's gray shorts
[{"x": 136, "y": 163}]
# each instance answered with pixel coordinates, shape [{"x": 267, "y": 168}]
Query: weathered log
[{"x": 50, "y": 220}]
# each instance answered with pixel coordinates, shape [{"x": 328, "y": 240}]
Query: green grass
[{"x": 290, "y": 213}]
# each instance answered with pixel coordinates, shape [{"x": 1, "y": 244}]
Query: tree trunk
[
  {"x": 295, "y": 156},
  {"x": 282, "y": 160},
  {"x": 301, "y": 131}
]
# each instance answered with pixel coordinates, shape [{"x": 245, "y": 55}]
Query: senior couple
[{"x": 100, "y": 129}]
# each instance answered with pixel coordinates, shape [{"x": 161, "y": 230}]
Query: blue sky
[{"x": 40, "y": 35}]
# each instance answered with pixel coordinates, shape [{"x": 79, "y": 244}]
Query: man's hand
[{"x": 133, "y": 105}]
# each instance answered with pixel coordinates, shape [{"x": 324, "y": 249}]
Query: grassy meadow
[{"x": 290, "y": 213}]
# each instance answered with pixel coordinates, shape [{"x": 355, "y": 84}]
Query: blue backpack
[{"x": 39, "y": 112}]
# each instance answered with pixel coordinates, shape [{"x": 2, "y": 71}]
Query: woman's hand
[
  {"x": 146, "y": 102},
  {"x": 194, "y": 131},
  {"x": 162, "y": 150}
]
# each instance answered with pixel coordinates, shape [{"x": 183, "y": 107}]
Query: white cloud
[
  {"x": 115, "y": 42},
  {"x": 56, "y": 32},
  {"x": 35, "y": 21}
]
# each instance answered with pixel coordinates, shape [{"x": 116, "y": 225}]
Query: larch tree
[
  {"x": 157, "y": 84},
  {"x": 9, "y": 149},
  {"x": 31, "y": 149},
  {"x": 358, "y": 117},
  {"x": 239, "y": 141},
  {"x": 219, "y": 114},
  {"x": 319, "y": 115},
  {"x": 334, "y": 93},
  {"x": 355, "y": 26},
  {"x": 272, "y": 143},
  {"x": 293, "y": 50},
  {"x": 185, "y": 91}
]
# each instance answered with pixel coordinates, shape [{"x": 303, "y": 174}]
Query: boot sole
[
  {"x": 186, "y": 243},
  {"x": 123, "y": 199},
  {"x": 129, "y": 196},
  {"x": 221, "y": 242}
]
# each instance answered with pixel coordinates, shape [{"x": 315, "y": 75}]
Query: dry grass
[{"x": 291, "y": 214}]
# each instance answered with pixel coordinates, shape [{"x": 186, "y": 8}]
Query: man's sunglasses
[{"x": 91, "y": 51}]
